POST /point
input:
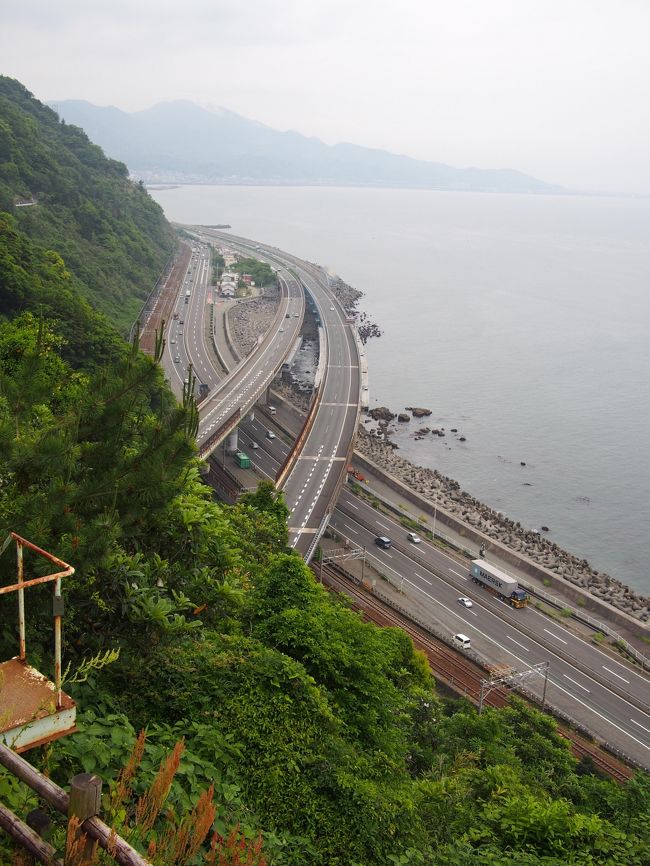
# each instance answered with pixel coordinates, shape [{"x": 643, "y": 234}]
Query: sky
[{"x": 555, "y": 88}]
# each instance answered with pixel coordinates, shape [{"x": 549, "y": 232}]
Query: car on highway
[
  {"x": 270, "y": 434},
  {"x": 414, "y": 538},
  {"x": 383, "y": 541},
  {"x": 466, "y": 602},
  {"x": 181, "y": 321},
  {"x": 254, "y": 446},
  {"x": 172, "y": 341},
  {"x": 177, "y": 359}
]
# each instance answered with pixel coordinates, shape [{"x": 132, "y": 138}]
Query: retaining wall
[{"x": 581, "y": 597}]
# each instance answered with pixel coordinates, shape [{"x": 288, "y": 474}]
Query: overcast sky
[{"x": 556, "y": 88}]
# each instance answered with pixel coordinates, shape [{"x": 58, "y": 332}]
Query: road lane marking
[
  {"x": 349, "y": 529},
  {"x": 640, "y": 725},
  {"x": 570, "y": 695},
  {"x": 422, "y": 578},
  {"x": 527, "y": 649},
  {"x": 616, "y": 675},
  {"x": 383, "y": 526},
  {"x": 458, "y": 574},
  {"x": 566, "y": 676},
  {"x": 356, "y": 507},
  {"x": 388, "y": 555},
  {"x": 555, "y": 636}
]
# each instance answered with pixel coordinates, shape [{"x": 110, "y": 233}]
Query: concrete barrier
[{"x": 522, "y": 564}]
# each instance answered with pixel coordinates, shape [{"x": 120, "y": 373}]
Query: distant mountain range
[{"x": 182, "y": 142}]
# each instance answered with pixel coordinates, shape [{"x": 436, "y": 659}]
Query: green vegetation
[
  {"x": 317, "y": 730},
  {"x": 111, "y": 234},
  {"x": 218, "y": 264},
  {"x": 261, "y": 273}
]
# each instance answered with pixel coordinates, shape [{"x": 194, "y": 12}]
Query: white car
[
  {"x": 254, "y": 446},
  {"x": 270, "y": 434},
  {"x": 332, "y": 309},
  {"x": 414, "y": 538},
  {"x": 466, "y": 602}
]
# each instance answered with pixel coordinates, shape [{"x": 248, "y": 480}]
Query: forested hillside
[
  {"x": 296, "y": 733},
  {"x": 320, "y": 734},
  {"x": 68, "y": 197}
]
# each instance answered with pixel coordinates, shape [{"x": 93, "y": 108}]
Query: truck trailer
[
  {"x": 242, "y": 460},
  {"x": 498, "y": 583}
]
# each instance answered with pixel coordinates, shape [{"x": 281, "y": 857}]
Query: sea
[{"x": 520, "y": 320}]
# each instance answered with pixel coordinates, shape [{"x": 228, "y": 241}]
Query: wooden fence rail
[{"x": 85, "y": 802}]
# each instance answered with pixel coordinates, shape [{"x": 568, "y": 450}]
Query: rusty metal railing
[{"x": 22, "y": 585}]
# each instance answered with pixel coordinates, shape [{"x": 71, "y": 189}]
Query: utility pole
[{"x": 509, "y": 677}]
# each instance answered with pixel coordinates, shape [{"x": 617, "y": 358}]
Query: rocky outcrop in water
[{"x": 381, "y": 413}]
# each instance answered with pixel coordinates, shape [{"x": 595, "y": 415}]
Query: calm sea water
[{"x": 521, "y": 320}]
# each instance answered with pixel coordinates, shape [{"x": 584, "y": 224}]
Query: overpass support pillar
[{"x": 232, "y": 442}]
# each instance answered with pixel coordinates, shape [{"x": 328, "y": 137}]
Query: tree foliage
[
  {"x": 319, "y": 730},
  {"x": 112, "y": 235},
  {"x": 261, "y": 272}
]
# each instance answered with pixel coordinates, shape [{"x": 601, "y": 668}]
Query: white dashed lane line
[
  {"x": 555, "y": 636},
  {"x": 567, "y": 677},
  {"x": 616, "y": 675}
]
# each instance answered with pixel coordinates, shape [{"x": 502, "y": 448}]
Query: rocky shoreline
[
  {"x": 446, "y": 493},
  {"x": 253, "y": 318}
]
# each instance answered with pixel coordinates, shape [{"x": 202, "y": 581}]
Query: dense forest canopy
[
  {"x": 322, "y": 738},
  {"x": 68, "y": 197}
]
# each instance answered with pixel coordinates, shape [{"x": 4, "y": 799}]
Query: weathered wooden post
[{"x": 85, "y": 799}]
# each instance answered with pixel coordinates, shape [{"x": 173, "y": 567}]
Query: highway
[
  {"x": 601, "y": 692},
  {"x": 318, "y": 464},
  {"x": 607, "y": 695}
]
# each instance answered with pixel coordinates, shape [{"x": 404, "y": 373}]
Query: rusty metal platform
[{"x": 29, "y": 715}]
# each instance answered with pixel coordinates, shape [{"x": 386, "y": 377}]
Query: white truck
[{"x": 498, "y": 582}]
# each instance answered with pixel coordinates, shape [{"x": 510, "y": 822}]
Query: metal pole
[
  {"x": 363, "y": 565},
  {"x": 322, "y": 557},
  {"x": 21, "y": 601},
  {"x": 480, "y": 698},
  {"x": 434, "y": 523},
  {"x": 545, "y": 685},
  {"x": 57, "y": 642}
]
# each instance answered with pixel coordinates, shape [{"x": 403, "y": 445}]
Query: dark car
[{"x": 383, "y": 541}]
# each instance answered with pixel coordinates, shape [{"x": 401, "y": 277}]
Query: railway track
[{"x": 459, "y": 674}]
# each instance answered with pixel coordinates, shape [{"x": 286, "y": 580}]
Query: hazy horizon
[{"x": 556, "y": 91}]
